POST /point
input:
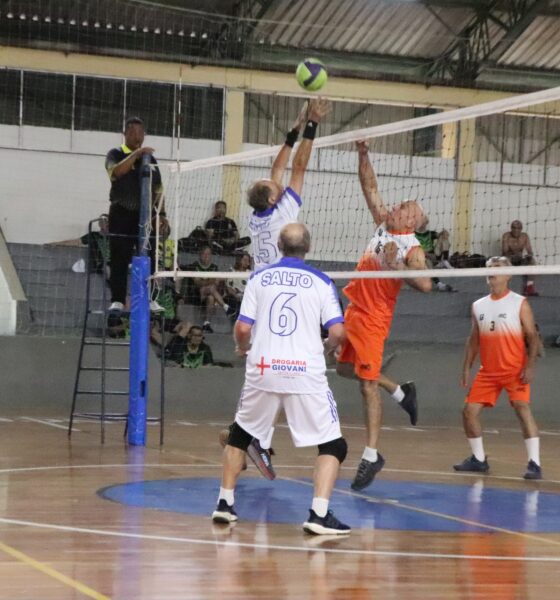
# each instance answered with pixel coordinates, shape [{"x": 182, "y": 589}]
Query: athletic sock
[
  {"x": 370, "y": 454},
  {"x": 533, "y": 449},
  {"x": 226, "y": 495},
  {"x": 320, "y": 506},
  {"x": 477, "y": 448},
  {"x": 398, "y": 394}
]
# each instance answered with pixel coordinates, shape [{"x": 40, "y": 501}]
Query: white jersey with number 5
[
  {"x": 265, "y": 227},
  {"x": 286, "y": 303}
]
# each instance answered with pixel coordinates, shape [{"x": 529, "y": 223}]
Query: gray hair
[{"x": 498, "y": 261}]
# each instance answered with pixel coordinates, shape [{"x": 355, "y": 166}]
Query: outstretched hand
[
  {"x": 318, "y": 108},
  {"x": 362, "y": 146}
]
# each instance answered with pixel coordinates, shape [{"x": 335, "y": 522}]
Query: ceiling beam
[{"x": 474, "y": 48}]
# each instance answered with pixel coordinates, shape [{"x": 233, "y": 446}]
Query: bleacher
[{"x": 56, "y": 300}]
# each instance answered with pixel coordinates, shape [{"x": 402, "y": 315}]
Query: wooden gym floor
[{"x": 81, "y": 520}]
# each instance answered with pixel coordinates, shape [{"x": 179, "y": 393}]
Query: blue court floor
[{"x": 400, "y": 506}]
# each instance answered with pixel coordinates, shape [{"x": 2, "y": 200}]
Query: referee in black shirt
[{"x": 123, "y": 167}]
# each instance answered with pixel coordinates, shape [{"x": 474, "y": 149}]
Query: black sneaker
[
  {"x": 533, "y": 471},
  {"x": 261, "y": 458},
  {"x": 408, "y": 403},
  {"x": 207, "y": 328},
  {"x": 366, "y": 472},
  {"x": 473, "y": 465},
  {"x": 327, "y": 525},
  {"x": 224, "y": 513}
]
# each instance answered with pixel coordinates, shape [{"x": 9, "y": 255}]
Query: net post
[{"x": 140, "y": 318}]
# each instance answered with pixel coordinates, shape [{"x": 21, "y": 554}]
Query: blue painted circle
[{"x": 402, "y": 505}]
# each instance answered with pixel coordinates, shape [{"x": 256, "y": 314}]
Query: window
[
  {"x": 9, "y": 96},
  {"x": 99, "y": 104},
  {"x": 153, "y": 103},
  {"x": 47, "y": 100},
  {"x": 202, "y": 111}
]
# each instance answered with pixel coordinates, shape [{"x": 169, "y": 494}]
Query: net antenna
[{"x": 464, "y": 186}]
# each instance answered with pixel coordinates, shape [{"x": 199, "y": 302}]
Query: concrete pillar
[{"x": 233, "y": 142}]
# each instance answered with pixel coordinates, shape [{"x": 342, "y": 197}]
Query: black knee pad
[
  {"x": 337, "y": 448},
  {"x": 238, "y": 437}
]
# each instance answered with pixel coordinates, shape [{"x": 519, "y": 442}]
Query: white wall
[{"x": 54, "y": 182}]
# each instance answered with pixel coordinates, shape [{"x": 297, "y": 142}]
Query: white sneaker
[
  {"x": 116, "y": 307},
  {"x": 155, "y": 307}
]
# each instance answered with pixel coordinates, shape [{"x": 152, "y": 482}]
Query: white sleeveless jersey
[
  {"x": 286, "y": 304},
  {"x": 265, "y": 227},
  {"x": 378, "y": 296},
  {"x": 502, "y": 342}
]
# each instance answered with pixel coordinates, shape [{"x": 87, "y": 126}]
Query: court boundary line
[
  {"x": 304, "y": 548},
  {"x": 213, "y": 465},
  {"x": 51, "y": 572}
]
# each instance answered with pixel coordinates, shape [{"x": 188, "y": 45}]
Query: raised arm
[
  {"x": 533, "y": 342},
  {"x": 471, "y": 352},
  {"x": 281, "y": 161},
  {"x": 368, "y": 181},
  {"x": 318, "y": 108}
]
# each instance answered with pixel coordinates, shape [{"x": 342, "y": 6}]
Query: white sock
[
  {"x": 398, "y": 394},
  {"x": 226, "y": 495},
  {"x": 320, "y": 506},
  {"x": 370, "y": 454},
  {"x": 533, "y": 447},
  {"x": 267, "y": 441},
  {"x": 477, "y": 448}
]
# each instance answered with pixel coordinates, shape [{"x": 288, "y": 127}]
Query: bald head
[
  {"x": 406, "y": 216},
  {"x": 294, "y": 240}
]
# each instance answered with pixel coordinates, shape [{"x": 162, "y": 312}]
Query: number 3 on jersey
[
  {"x": 282, "y": 319},
  {"x": 266, "y": 250}
]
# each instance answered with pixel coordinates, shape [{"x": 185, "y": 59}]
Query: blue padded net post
[{"x": 140, "y": 318}]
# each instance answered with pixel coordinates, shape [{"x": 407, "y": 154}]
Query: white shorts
[{"x": 312, "y": 418}]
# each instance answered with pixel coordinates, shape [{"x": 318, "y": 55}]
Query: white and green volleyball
[{"x": 311, "y": 74}]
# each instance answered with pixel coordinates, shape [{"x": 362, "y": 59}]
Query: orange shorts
[
  {"x": 485, "y": 389},
  {"x": 365, "y": 340}
]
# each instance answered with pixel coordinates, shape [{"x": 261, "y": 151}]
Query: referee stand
[{"x": 109, "y": 360}]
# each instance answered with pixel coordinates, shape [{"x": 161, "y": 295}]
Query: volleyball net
[{"x": 474, "y": 170}]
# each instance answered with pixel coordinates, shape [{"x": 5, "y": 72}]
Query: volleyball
[{"x": 311, "y": 74}]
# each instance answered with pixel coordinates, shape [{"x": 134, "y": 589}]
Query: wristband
[
  {"x": 291, "y": 137},
  {"x": 310, "y": 130}
]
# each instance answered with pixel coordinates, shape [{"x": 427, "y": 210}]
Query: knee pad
[
  {"x": 337, "y": 448},
  {"x": 238, "y": 437}
]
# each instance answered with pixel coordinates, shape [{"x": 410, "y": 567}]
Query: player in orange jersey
[
  {"x": 372, "y": 302},
  {"x": 503, "y": 331}
]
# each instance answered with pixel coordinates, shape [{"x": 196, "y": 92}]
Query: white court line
[
  {"x": 4, "y": 420},
  {"x": 45, "y": 422},
  {"x": 451, "y": 474},
  {"x": 215, "y": 542},
  {"x": 187, "y": 423}
]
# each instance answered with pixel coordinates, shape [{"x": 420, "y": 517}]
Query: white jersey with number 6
[
  {"x": 286, "y": 304},
  {"x": 265, "y": 227}
]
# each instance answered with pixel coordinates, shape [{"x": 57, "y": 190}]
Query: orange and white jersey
[
  {"x": 378, "y": 296},
  {"x": 502, "y": 341}
]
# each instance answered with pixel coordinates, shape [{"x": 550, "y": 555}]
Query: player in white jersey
[
  {"x": 274, "y": 205},
  {"x": 504, "y": 332},
  {"x": 278, "y": 329}
]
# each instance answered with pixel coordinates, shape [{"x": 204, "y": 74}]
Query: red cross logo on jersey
[{"x": 262, "y": 365}]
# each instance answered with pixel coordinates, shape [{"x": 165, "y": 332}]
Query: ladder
[{"x": 96, "y": 360}]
